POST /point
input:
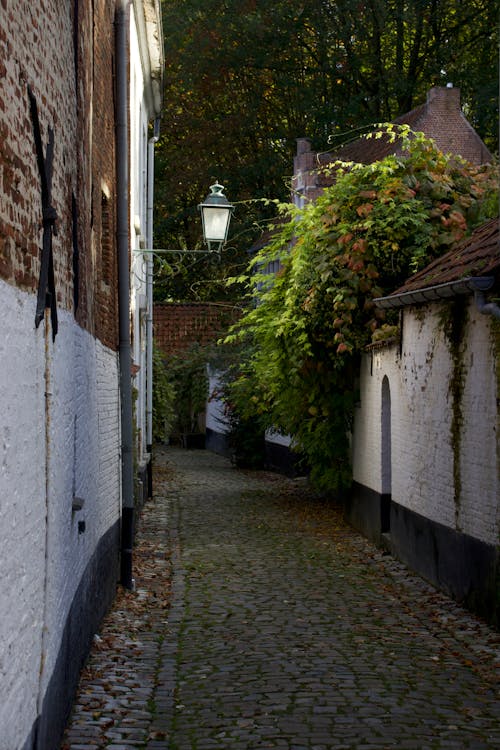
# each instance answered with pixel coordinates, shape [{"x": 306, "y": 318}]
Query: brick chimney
[
  {"x": 445, "y": 98},
  {"x": 443, "y": 120},
  {"x": 305, "y": 173}
]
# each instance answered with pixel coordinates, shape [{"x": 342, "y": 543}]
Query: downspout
[
  {"x": 122, "y": 236},
  {"x": 149, "y": 293},
  {"x": 487, "y": 308}
]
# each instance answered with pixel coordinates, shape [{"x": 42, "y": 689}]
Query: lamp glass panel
[{"x": 215, "y": 221}]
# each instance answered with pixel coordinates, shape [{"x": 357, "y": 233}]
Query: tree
[
  {"x": 245, "y": 78},
  {"x": 310, "y": 322}
]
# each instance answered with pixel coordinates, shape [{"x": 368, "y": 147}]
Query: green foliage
[
  {"x": 245, "y": 78},
  {"x": 309, "y": 322},
  {"x": 188, "y": 374},
  {"x": 245, "y": 435},
  {"x": 164, "y": 398},
  {"x": 180, "y": 391},
  {"x": 245, "y": 427}
]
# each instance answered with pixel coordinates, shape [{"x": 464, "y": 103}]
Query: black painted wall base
[
  {"x": 283, "y": 460},
  {"x": 363, "y": 510},
  {"x": 217, "y": 442},
  {"x": 150, "y": 472},
  {"x": 92, "y": 600},
  {"x": 465, "y": 568},
  {"x": 141, "y": 486},
  {"x": 462, "y": 566}
]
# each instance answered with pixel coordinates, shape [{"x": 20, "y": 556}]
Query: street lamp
[{"x": 215, "y": 216}]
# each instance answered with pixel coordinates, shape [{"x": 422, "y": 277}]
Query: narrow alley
[{"x": 261, "y": 620}]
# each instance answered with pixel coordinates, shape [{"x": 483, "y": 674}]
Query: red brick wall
[
  {"x": 103, "y": 190},
  {"x": 37, "y": 49},
  {"x": 177, "y": 326}
]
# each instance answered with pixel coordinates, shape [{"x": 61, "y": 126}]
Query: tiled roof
[
  {"x": 440, "y": 118},
  {"x": 477, "y": 255},
  {"x": 265, "y": 238},
  {"x": 369, "y": 150}
]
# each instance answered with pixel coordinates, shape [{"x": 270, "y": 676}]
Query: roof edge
[{"x": 436, "y": 293}]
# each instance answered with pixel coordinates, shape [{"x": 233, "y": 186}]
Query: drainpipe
[
  {"x": 149, "y": 293},
  {"x": 487, "y": 308},
  {"x": 122, "y": 234}
]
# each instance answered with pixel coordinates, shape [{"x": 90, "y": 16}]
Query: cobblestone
[{"x": 261, "y": 620}]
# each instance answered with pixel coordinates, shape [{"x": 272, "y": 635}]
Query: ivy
[{"x": 306, "y": 326}]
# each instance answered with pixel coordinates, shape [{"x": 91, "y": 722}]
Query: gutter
[
  {"x": 122, "y": 237},
  {"x": 476, "y": 284}
]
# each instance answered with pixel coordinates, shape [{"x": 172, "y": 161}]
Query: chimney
[
  {"x": 303, "y": 145},
  {"x": 445, "y": 122},
  {"x": 305, "y": 160},
  {"x": 444, "y": 97}
]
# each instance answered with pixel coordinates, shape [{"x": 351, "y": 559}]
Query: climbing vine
[{"x": 307, "y": 324}]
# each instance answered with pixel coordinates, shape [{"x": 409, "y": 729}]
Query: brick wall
[
  {"x": 60, "y": 428},
  {"x": 36, "y": 49},
  {"x": 177, "y": 326},
  {"x": 103, "y": 190},
  {"x": 442, "y": 119},
  {"x": 444, "y": 455}
]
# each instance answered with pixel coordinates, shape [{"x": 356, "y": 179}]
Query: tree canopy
[{"x": 245, "y": 78}]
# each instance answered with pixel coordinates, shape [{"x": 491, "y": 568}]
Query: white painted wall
[
  {"x": 43, "y": 556},
  {"x": 480, "y": 473},
  {"x": 139, "y": 119},
  {"x": 215, "y": 418},
  {"x": 22, "y": 513},
  {"x": 421, "y": 418},
  {"x": 276, "y": 438}
]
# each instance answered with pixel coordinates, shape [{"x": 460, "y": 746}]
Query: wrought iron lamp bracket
[{"x": 158, "y": 252}]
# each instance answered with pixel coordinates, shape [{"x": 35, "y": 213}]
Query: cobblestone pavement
[{"x": 261, "y": 620}]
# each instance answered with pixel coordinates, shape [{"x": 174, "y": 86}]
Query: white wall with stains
[
  {"x": 59, "y": 440},
  {"x": 444, "y": 454}
]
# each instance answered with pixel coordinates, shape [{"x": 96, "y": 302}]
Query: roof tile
[{"x": 477, "y": 255}]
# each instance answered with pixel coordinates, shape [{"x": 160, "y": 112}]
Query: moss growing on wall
[{"x": 454, "y": 317}]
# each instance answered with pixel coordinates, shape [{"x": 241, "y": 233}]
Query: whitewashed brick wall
[
  {"x": 215, "y": 416},
  {"x": 83, "y": 458},
  {"x": 480, "y": 472},
  {"x": 421, "y": 418},
  {"x": 22, "y": 514}
]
